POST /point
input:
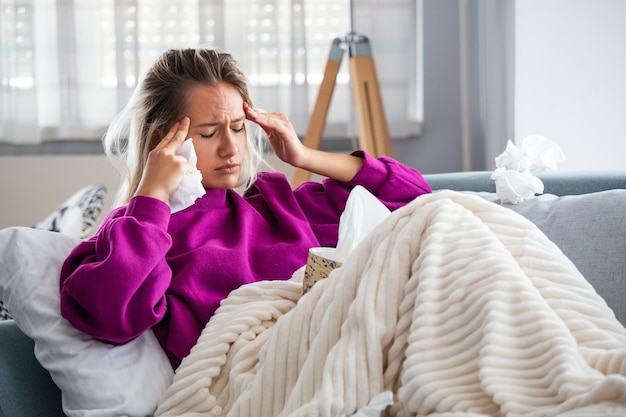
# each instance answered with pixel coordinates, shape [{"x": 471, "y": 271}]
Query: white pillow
[{"x": 96, "y": 379}]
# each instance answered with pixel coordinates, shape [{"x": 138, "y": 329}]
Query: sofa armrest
[
  {"x": 26, "y": 388},
  {"x": 555, "y": 182}
]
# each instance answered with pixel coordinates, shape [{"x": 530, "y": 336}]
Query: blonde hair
[{"x": 156, "y": 104}]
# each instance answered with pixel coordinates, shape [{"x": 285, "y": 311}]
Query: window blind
[{"x": 68, "y": 66}]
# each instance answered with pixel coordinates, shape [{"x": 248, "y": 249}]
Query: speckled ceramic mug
[{"x": 320, "y": 263}]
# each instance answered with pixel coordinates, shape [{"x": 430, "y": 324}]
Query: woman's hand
[
  {"x": 164, "y": 169},
  {"x": 281, "y": 136},
  {"x": 288, "y": 148}
]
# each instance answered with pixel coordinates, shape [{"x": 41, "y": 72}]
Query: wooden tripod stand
[{"x": 372, "y": 128}]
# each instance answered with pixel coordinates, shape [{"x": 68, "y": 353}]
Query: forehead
[{"x": 214, "y": 102}]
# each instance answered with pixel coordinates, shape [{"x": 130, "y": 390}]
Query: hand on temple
[
  {"x": 287, "y": 146},
  {"x": 281, "y": 135},
  {"x": 165, "y": 169}
]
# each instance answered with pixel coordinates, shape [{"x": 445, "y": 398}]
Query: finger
[
  {"x": 250, "y": 113},
  {"x": 261, "y": 118},
  {"x": 176, "y": 136},
  {"x": 253, "y": 115},
  {"x": 179, "y": 133}
]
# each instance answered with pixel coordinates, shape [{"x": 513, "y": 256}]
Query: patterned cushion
[
  {"x": 4, "y": 313},
  {"x": 76, "y": 215}
]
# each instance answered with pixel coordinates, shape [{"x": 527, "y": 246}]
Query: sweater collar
[{"x": 213, "y": 198}]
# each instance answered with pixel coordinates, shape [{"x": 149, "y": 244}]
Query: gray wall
[
  {"x": 438, "y": 148},
  {"x": 466, "y": 124}
]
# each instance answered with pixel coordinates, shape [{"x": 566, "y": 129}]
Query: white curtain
[{"x": 68, "y": 66}]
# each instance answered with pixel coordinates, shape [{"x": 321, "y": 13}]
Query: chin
[{"x": 222, "y": 184}]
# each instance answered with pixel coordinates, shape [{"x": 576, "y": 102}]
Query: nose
[{"x": 228, "y": 145}]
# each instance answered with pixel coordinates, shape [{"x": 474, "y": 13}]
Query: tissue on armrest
[
  {"x": 514, "y": 186},
  {"x": 513, "y": 175}
]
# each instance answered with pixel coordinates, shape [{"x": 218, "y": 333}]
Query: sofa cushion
[{"x": 20, "y": 369}]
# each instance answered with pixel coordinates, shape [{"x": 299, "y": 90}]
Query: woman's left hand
[
  {"x": 281, "y": 135},
  {"x": 287, "y": 146}
]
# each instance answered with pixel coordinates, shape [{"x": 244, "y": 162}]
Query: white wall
[
  {"x": 570, "y": 78},
  {"x": 33, "y": 186}
]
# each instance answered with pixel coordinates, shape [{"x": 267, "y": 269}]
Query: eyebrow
[{"x": 211, "y": 124}]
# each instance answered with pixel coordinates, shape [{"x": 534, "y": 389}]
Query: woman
[{"x": 149, "y": 268}]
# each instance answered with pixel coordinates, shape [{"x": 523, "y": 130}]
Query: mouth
[{"x": 227, "y": 168}]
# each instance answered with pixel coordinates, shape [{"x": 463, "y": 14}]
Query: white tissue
[
  {"x": 515, "y": 181},
  {"x": 512, "y": 158},
  {"x": 514, "y": 186},
  {"x": 362, "y": 214},
  {"x": 190, "y": 188},
  {"x": 537, "y": 153}
]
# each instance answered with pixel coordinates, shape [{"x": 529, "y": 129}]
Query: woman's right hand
[{"x": 165, "y": 170}]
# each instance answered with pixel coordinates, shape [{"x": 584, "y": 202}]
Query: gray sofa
[{"x": 583, "y": 213}]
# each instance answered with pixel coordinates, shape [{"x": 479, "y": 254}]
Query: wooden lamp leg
[
  {"x": 372, "y": 127},
  {"x": 317, "y": 122}
]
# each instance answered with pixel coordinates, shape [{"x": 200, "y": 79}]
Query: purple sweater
[{"x": 147, "y": 268}]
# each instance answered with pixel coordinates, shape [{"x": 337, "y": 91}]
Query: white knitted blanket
[{"x": 453, "y": 306}]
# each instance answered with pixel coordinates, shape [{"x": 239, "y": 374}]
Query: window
[{"x": 68, "y": 66}]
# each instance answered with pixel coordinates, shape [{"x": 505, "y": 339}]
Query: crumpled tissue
[
  {"x": 514, "y": 186},
  {"x": 190, "y": 188},
  {"x": 515, "y": 181},
  {"x": 362, "y": 214}
]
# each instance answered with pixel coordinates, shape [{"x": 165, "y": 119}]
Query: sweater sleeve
[
  {"x": 393, "y": 183},
  {"x": 113, "y": 285}
]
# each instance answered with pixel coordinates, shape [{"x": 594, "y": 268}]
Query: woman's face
[{"x": 219, "y": 136}]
